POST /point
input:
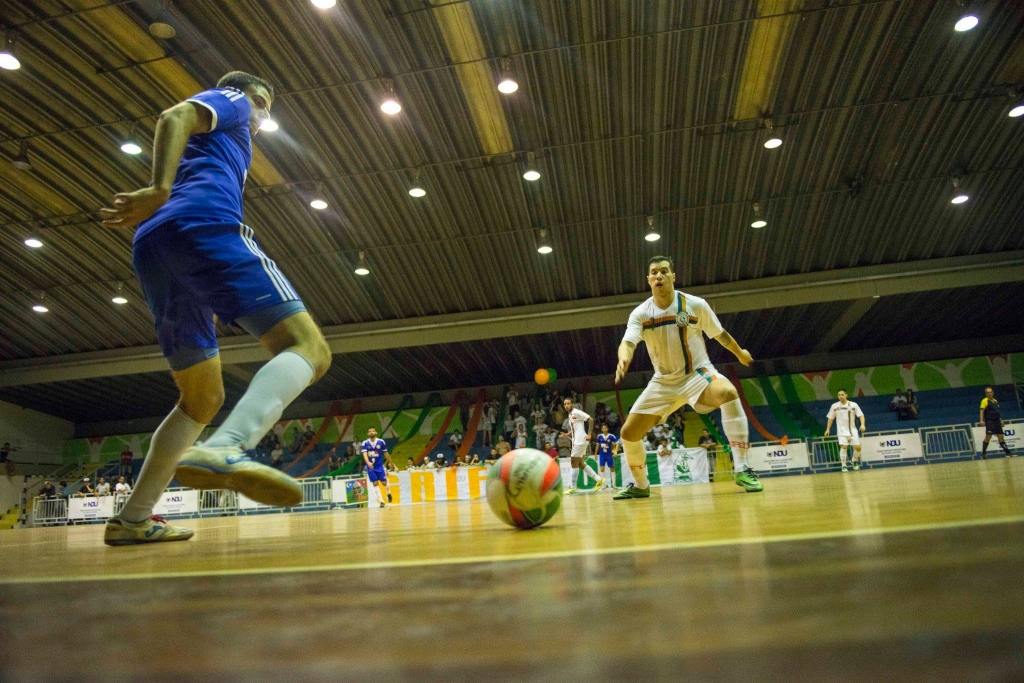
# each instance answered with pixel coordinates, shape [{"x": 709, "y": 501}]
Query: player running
[
  {"x": 195, "y": 258},
  {"x": 607, "y": 449},
  {"x": 993, "y": 421},
  {"x": 375, "y": 452},
  {"x": 845, "y": 414},
  {"x": 580, "y": 438},
  {"x": 671, "y": 323}
]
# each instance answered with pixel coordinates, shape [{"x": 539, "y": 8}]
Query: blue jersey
[
  {"x": 604, "y": 443},
  {"x": 207, "y": 189},
  {"x": 375, "y": 453}
]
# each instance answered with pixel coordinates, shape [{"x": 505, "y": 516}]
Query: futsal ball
[{"x": 524, "y": 488}]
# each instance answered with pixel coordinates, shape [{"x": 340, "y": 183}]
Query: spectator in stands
[
  {"x": 122, "y": 487},
  {"x": 552, "y": 451},
  {"x": 102, "y": 487},
  {"x": 557, "y": 411},
  {"x": 502, "y": 447},
  {"x": 307, "y": 438},
  {"x": 125, "y": 468},
  {"x": 475, "y": 460},
  {"x": 550, "y": 437},
  {"x": 65, "y": 490},
  {"x": 564, "y": 444},
  {"x": 454, "y": 441},
  {"x": 296, "y": 440},
  {"x": 411, "y": 464},
  {"x": 350, "y": 452},
  {"x": 650, "y": 441},
  {"x": 519, "y": 421},
  {"x": 612, "y": 418},
  {"x": 440, "y": 462},
  {"x": 538, "y": 413},
  {"x": 490, "y": 414},
  {"x": 899, "y": 405},
  {"x": 678, "y": 427},
  {"x": 277, "y": 456},
  {"x": 992, "y": 418},
  {"x": 86, "y": 489},
  {"x": 708, "y": 443},
  {"x": 512, "y": 399},
  {"x": 48, "y": 491},
  {"x": 334, "y": 462},
  {"x": 911, "y": 405},
  {"x": 510, "y": 426},
  {"x": 540, "y": 430},
  {"x": 520, "y": 437},
  {"x": 493, "y": 457},
  {"x": 664, "y": 450}
]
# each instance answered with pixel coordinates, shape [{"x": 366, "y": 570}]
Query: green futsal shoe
[
  {"x": 632, "y": 491},
  {"x": 749, "y": 481}
]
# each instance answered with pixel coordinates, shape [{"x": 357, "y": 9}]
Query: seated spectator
[
  {"x": 277, "y": 456},
  {"x": 538, "y": 414},
  {"x": 550, "y": 437},
  {"x": 899, "y": 405},
  {"x": 520, "y": 436},
  {"x": 411, "y": 465},
  {"x": 664, "y": 450},
  {"x": 564, "y": 444},
  {"x": 440, "y": 462},
  {"x": 122, "y": 487},
  {"x": 492, "y": 458},
  {"x": 502, "y": 446},
  {"x": 475, "y": 460},
  {"x": 552, "y": 452},
  {"x": 334, "y": 462},
  {"x": 65, "y": 490},
  {"x": 454, "y": 441},
  {"x": 102, "y": 487},
  {"x": 540, "y": 431},
  {"x": 911, "y": 405},
  {"x": 307, "y": 438},
  {"x": 612, "y": 418},
  {"x": 86, "y": 490},
  {"x": 350, "y": 452},
  {"x": 48, "y": 492},
  {"x": 650, "y": 441},
  {"x": 518, "y": 420}
]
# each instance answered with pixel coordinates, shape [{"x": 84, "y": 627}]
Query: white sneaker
[
  {"x": 152, "y": 530},
  {"x": 228, "y": 467}
]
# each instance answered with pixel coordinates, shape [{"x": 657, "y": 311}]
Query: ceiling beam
[
  {"x": 850, "y": 317},
  {"x": 764, "y": 293}
]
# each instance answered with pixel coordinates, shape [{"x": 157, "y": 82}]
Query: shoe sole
[
  {"x": 141, "y": 541},
  {"x": 268, "y": 486}
]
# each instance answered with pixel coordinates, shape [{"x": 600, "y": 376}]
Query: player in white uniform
[
  {"x": 845, "y": 414},
  {"x": 671, "y": 324},
  {"x": 581, "y": 428}
]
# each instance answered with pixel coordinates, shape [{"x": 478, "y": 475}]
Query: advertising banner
[
  {"x": 583, "y": 482},
  {"x": 776, "y": 457},
  {"x": 433, "y": 486},
  {"x": 91, "y": 508},
  {"x": 684, "y": 466},
  {"x": 349, "y": 491},
  {"x": 1013, "y": 434},
  {"x": 177, "y": 503},
  {"x": 891, "y": 447}
]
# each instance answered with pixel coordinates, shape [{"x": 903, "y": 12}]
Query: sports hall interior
[{"x": 841, "y": 180}]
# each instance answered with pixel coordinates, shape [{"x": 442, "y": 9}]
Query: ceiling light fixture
[
  {"x": 531, "y": 174},
  {"x": 161, "y": 27},
  {"x": 119, "y": 297},
  {"x": 543, "y": 243},
  {"x": 759, "y": 221},
  {"x": 325, "y": 4},
  {"x": 362, "y": 268},
  {"x": 652, "y": 234},
  {"x": 7, "y": 59},
  {"x": 772, "y": 141},
  {"x": 130, "y": 144},
  {"x": 21, "y": 161},
  {"x": 390, "y": 105},
  {"x": 508, "y": 84},
  {"x": 959, "y": 197},
  {"x": 33, "y": 242},
  {"x": 318, "y": 204},
  {"x": 269, "y": 125},
  {"x": 40, "y": 305},
  {"x": 966, "y": 23},
  {"x": 417, "y": 188}
]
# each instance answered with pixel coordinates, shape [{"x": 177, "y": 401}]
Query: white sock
[
  {"x": 575, "y": 477},
  {"x": 734, "y": 424},
  {"x": 842, "y": 456},
  {"x": 637, "y": 459},
  {"x": 277, "y": 384},
  {"x": 610, "y": 476},
  {"x": 177, "y": 432},
  {"x": 590, "y": 472}
]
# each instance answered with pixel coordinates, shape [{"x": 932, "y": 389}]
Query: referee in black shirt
[{"x": 992, "y": 420}]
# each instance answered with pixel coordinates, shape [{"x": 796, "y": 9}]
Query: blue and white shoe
[
  {"x": 153, "y": 530},
  {"x": 228, "y": 467}
]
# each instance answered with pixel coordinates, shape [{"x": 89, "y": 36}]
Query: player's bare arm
[
  {"x": 590, "y": 428},
  {"x": 828, "y": 427},
  {"x": 742, "y": 355},
  {"x": 626, "y": 351},
  {"x": 173, "y": 130}
]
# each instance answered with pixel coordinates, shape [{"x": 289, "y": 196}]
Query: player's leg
[
  {"x": 633, "y": 431},
  {"x": 856, "y": 453},
  {"x": 984, "y": 444},
  {"x": 844, "y": 445},
  {"x": 720, "y": 393},
  {"x": 585, "y": 466}
]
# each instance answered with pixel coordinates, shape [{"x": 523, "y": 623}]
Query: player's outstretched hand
[
  {"x": 131, "y": 208},
  {"x": 620, "y": 370},
  {"x": 745, "y": 357}
]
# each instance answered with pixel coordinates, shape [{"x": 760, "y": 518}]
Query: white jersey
[
  {"x": 846, "y": 417},
  {"x": 577, "y": 426},
  {"x": 673, "y": 334}
]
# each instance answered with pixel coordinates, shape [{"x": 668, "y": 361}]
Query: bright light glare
[
  {"x": 417, "y": 192},
  {"x": 390, "y": 107},
  {"x": 772, "y": 143},
  {"x": 131, "y": 148},
  {"x": 318, "y": 204},
  {"x": 966, "y": 23},
  {"x": 959, "y": 199},
  {"x": 325, "y": 4},
  {"x": 33, "y": 242},
  {"x": 119, "y": 300},
  {"x": 39, "y": 308},
  {"x": 269, "y": 125},
  {"x": 759, "y": 223},
  {"x": 652, "y": 237},
  {"x": 9, "y": 61},
  {"x": 1017, "y": 111},
  {"x": 531, "y": 175},
  {"x": 508, "y": 86},
  {"x": 544, "y": 249},
  {"x": 362, "y": 271}
]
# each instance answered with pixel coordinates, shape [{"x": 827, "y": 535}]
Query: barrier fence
[{"x": 821, "y": 454}]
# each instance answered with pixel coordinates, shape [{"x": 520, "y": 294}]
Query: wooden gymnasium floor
[{"x": 911, "y": 573}]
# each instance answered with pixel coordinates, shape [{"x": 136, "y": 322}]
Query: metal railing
[
  {"x": 49, "y": 511},
  {"x": 952, "y": 442}
]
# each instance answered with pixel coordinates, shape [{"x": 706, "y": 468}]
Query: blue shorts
[
  {"x": 190, "y": 274},
  {"x": 606, "y": 459},
  {"x": 377, "y": 475}
]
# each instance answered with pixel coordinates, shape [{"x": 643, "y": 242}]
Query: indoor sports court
[{"x": 512, "y": 340}]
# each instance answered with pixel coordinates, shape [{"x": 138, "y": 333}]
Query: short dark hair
[
  {"x": 659, "y": 259},
  {"x": 239, "y": 80}
]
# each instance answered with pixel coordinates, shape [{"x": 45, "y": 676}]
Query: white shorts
[
  {"x": 852, "y": 440},
  {"x": 579, "y": 450},
  {"x": 663, "y": 397}
]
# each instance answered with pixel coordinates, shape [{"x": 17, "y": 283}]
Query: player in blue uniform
[
  {"x": 607, "y": 448},
  {"x": 375, "y": 452},
  {"x": 195, "y": 258}
]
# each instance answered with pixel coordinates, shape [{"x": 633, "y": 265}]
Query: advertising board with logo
[
  {"x": 776, "y": 457},
  {"x": 349, "y": 491},
  {"x": 91, "y": 508},
  {"x": 891, "y": 447},
  {"x": 184, "y": 502},
  {"x": 1013, "y": 434}
]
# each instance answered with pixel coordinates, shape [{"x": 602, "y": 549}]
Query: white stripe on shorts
[
  {"x": 245, "y": 232},
  {"x": 273, "y": 266}
]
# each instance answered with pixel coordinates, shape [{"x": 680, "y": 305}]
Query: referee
[{"x": 992, "y": 420}]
